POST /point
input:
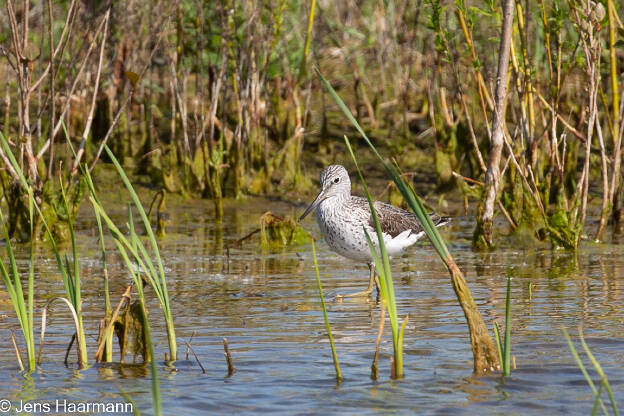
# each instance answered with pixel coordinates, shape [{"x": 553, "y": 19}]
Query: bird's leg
[{"x": 372, "y": 280}]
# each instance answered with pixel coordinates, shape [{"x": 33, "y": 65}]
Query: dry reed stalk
[
  {"x": 382, "y": 319},
  {"x": 134, "y": 78},
  {"x": 18, "y": 355},
  {"x": 56, "y": 125},
  {"x": 483, "y": 232},
  {"x": 125, "y": 298},
  {"x": 24, "y": 54},
  {"x": 44, "y": 315},
  {"x": 188, "y": 346},
  {"x": 87, "y": 127},
  {"x": 228, "y": 358}
]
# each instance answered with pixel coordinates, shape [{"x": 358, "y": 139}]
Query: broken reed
[{"x": 484, "y": 351}]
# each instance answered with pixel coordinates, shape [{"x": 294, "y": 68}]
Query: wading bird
[{"x": 342, "y": 218}]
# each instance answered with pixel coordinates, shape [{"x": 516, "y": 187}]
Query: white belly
[{"x": 346, "y": 236}]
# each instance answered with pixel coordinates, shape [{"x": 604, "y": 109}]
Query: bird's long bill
[{"x": 313, "y": 205}]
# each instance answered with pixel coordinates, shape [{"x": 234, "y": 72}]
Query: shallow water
[{"x": 266, "y": 304}]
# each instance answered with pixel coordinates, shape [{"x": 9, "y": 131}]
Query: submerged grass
[{"x": 386, "y": 286}]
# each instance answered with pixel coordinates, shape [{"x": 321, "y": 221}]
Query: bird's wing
[{"x": 394, "y": 220}]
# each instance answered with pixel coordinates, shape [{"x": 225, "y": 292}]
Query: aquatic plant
[
  {"x": 386, "y": 286},
  {"x": 504, "y": 348},
  {"x": 138, "y": 251},
  {"x": 105, "y": 336},
  {"x": 276, "y": 230},
  {"x": 71, "y": 279},
  {"x": 484, "y": 351},
  {"x": 325, "y": 318},
  {"x": 133, "y": 247},
  {"x": 23, "y": 306},
  {"x": 604, "y": 382},
  {"x": 71, "y": 282}
]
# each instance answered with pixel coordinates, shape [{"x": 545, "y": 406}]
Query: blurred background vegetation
[{"x": 219, "y": 99}]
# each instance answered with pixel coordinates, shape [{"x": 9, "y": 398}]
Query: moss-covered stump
[{"x": 276, "y": 230}]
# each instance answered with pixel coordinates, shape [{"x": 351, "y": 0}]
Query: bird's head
[{"x": 335, "y": 182}]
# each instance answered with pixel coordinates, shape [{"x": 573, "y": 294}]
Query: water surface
[{"x": 266, "y": 304}]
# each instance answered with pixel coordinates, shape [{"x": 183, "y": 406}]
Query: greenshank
[{"x": 342, "y": 218}]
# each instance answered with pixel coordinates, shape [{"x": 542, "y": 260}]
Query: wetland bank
[{"x": 150, "y": 182}]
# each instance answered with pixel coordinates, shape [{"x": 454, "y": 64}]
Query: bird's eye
[{"x": 336, "y": 180}]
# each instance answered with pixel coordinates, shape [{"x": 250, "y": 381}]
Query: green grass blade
[
  {"x": 108, "y": 312},
  {"x": 148, "y": 227},
  {"x": 156, "y": 399},
  {"x": 72, "y": 285},
  {"x": 579, "y": 362},
  {"x": 382, "y": 263},
  {"x": 597, "y": 399},
  {"x": 117, "y": 235},
  {"x": 16, "y": 166},
  {"x": 401, "y": 334},
  {"x": 383, "y": 254},
  {"x": 42, "y": 218},
  {"x": 327, "y": 325},
  {"x": 140, "y": 248},
  {"x": 383, "y": 281},
  {"x": 163, "y": 282},
  {"x": 598, "y": 368},
  {"x": 507, "y": 349},
  {"x": 29, "y": 335},
  {"x": 128, "y": 399},
  {"x": 23, "y": 309},
  {"x": 499, "y": 346}
]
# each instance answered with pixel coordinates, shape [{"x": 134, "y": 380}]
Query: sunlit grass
[
  {"x": 504, "y": 346},
  {"x": 382, "y": 265},
  {"x": 138, "y": 251},
  {"x": 71, "y": 279},
  {"x": 23, "y": 306},
  {"x": 604, "y": 382},
  {"x": 324, "y": 309},
  {"x": 132, "y": 261}
]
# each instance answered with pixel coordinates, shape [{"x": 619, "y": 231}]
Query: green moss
[
  {"x": 277, "y": 231},
  {"x": 563, "y": 234}
]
